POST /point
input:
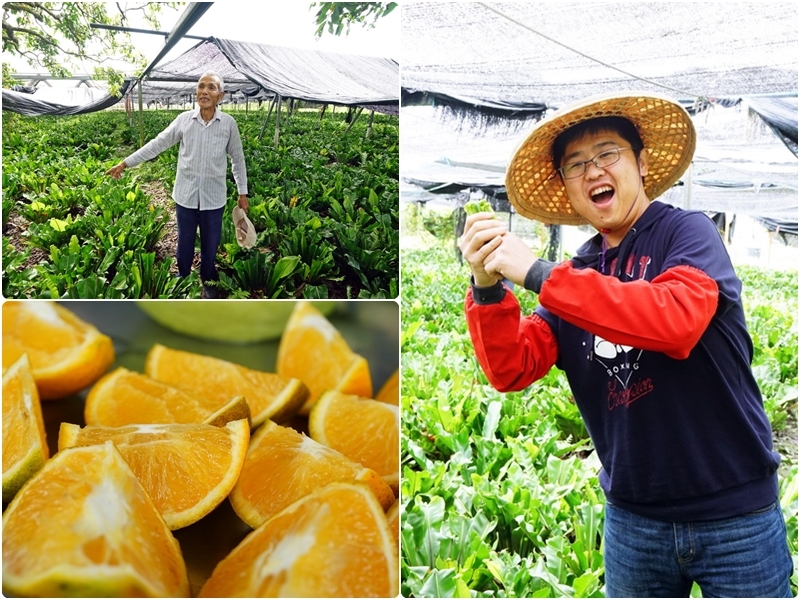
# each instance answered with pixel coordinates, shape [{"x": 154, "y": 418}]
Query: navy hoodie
[{"x": 652, "y": 337}]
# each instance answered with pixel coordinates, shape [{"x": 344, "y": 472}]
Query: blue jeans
[
  {"x": 210, "y": 223},
  {"x": 740, "y": 557}
]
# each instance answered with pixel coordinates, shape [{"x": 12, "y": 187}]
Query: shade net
[
  {"x": 253, "y": 72},
  {"x": 28, "y": 104},
  {"x": 323, "y": 77},
  {"x": 477, "y": 76},
  {"x": 558, "y": 52}
]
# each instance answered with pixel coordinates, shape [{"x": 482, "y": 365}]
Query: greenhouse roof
[
  {"x": 553, "y": 53},
  {"x": 255, "y": 71},
  {"x": 290, "y": 72},
  {"x": 476, "y": 76}
]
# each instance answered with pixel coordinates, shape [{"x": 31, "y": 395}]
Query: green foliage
[
  {"x": 336, "y": 17},
  {"x": 475, "y": 206},
  {"x": 770, "y": 301},
  {"x": 325, "y": 203},
  {"x": 499, "y": 491},
  {"x": 59, "y": 36}
]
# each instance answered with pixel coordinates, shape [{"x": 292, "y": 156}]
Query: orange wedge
[
  {"x": 393, "y": 516},
  {"x": 282, "y": 466},
  {"x": 84, "y": 526},
  {"x": 66, "y": 353},
  {"x": 312, "y": 350},
  {"x": 123, "y": 397},
  {"x": 364, "y": 430},
  {"x": 24, "y": 440},
  {"x": 187, "y": 469},
  {"x": 333, "y": 543},
  {"x": 390, "y": 390},
  {"x": 269, "y": 395}
]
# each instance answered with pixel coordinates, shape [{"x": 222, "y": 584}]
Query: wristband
[
  {"x": 537, "y": 274},
  {"x": 488, "y": 295}
]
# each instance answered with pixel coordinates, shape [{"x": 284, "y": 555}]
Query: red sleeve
[
  {"x": 668, "y": 314},
  {"x": 513, "y": 351}
]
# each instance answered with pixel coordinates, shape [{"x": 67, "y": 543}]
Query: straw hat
[{"x": 535, "y": 188}]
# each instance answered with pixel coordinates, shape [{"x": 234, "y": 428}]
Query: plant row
[
  {"x": 500, "y": 491},
  {"x": 324, "y": 203}
]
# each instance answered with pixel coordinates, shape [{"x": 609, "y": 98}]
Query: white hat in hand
[{"x": 245, "y": 232}]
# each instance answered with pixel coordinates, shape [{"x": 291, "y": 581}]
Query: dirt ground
[
  {"x": 166, "y": 246},
  {"x": 786, "y": 442},
  {"x": 16, "y": 225},
  {"x": 13, "y": 230}
]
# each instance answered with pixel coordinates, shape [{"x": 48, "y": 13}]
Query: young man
[
  {"x": 647, "y": 323},
  {"x": 207, "y": 137}
]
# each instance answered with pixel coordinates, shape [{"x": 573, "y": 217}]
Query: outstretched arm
[
  {"x": 116, "y": 170},
  {"x": 163, "y": 141}
]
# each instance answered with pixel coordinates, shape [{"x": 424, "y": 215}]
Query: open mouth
[{"x": 602, "y": 194}]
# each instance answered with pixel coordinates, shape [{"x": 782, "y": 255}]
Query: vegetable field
[
  {"x": 324, "y": 203},
  {"x": 500, "y": 491}
]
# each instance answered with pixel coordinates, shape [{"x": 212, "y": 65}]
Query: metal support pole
[
  {"x": 141, "y": 117},
  {"x": 269, "y": 113},
  {"x": 278, "y": 121},
  {"x": 687, "y": 183},
  {"x": 553, "y": 251},
  {"x": 371, "y": 120},
  {"x": 356, "y": 114}
]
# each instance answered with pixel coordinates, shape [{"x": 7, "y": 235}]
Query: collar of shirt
[{"x": 199, "y": 117}]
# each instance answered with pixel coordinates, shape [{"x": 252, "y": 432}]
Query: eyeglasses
[{"x": 605, "y": 159}]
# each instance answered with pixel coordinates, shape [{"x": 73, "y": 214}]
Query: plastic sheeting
[
  {"x": 781, "y": 115},
  {"x": 30, "y": 105}
]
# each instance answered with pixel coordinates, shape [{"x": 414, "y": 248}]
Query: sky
[{"x": 274, "y": 22}]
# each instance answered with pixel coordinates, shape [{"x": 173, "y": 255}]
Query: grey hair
[{"x": 214, "y": 74}]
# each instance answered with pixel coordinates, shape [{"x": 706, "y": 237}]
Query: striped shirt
[{"x": 202, "y": 161}]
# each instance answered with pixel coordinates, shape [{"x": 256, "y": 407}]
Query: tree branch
[{"x": 46, "y": 40}]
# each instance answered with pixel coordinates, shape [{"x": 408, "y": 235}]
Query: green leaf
[
  {"x": 58, "y": 224},
  {"x": 286, "y": 265},
  {"x": 440, "y": 584},
  {"x": 492, "y": 419}
]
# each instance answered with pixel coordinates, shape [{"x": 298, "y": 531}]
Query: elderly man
[
  {"x": 646, "y": 321},
  {"x": 206, "y": 136}
]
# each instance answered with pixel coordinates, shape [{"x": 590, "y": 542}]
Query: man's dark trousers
[{"x": 210, "y": 223}]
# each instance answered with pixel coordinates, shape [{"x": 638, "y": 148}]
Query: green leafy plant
[
  {"x": 326, "y": 200},
  {"x": 499, "y": 492}
]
